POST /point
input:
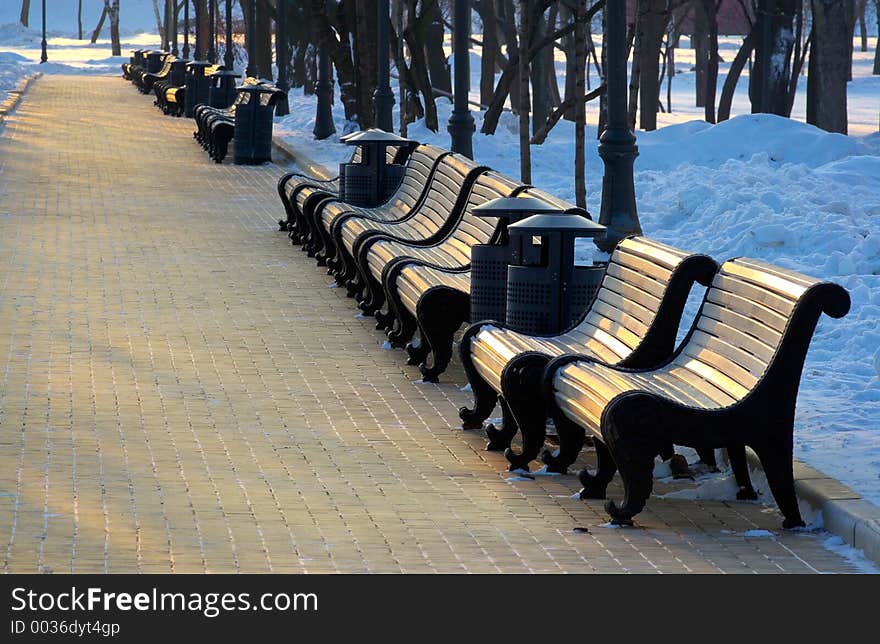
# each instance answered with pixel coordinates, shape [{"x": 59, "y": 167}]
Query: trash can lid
[
  {"x": 372, "y": 135},
  {"x": 560, "y": 222},
  {"x": 226, "y": 72},
  {"x": 515, "y": 206},
  {"x": 200, "y": 63}
]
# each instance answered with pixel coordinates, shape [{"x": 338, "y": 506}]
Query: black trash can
[
  {"x": 177, "y": 74},
  {"x": 222, "y": 90},
  {"x": 546, "y": 292},
  {"x": 489, "y": 261},
  {"x": 254, "y": 111},
  {"x": 197, "y": 85},
  {"x": 372, "y": 181},
  {"x": 154, "y": 61}
]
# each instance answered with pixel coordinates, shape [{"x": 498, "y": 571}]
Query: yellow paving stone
[{"x": 180, "y": 391}]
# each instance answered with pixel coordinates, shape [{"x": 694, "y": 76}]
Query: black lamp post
[
  {"x": 228, "y": 55},
  {"x": 212, "y": 31},
  {"x": 282, "y": 57},
  {"x": 324, "y": 90},
  {"x": 461, "y": 123},
  {"x": 383, "y": 98},
  {"x": 186, "y": 29},
  {"x": 43, "y": 55},
  {"x": 251, "y": 38},
  {"x": 617, "y": 145}
]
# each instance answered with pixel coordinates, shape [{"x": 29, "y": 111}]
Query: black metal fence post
[
  {"x": 617, "y": 145},
  {"x": 383, "y": 98},
  {"x": 324, "y": 90},
  {"x": 461, "y": 123}
]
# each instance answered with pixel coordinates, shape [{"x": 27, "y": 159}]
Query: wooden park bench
[
  {"x": 295, "y": 188},
  {"x": 171, "y": 92},
  {"x": 381, "y": 258},
  {"x": 300, "y": 192},
  {"x": 733, "y": 382},
  {"x": 216, "y": 126},
  {"x": 146, "y": 81},
  {"x": 318, "y": 217},
  {"x": 436, "y": 300},
  {"x": 436, "y": 212},
  {"x": 632, "y": 322}
]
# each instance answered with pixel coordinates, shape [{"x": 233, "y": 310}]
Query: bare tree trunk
[
  {"x": 525, "y": 153},
  {"x": 774, "y": 40},
  {"x": 159, "y": 23},
  {"x": 507, "y": 14},
  {"x": 876, "y": 70},
  {"x": 653, "y": 17},
  {"x": 861, "y": 5},
  {"x": 97, "y": 32},
  {"x": 112, "y": 11},
  {"x": 635, "y": 78},
  {"x": 700, "y": 44},
  {"x": 710, "y": 9},
  {"x": 263, "y": 44},
  {"x": 25, "y": 12},
  {"x": 432, "y": 38},
  {"x": 736, "y": 67},
  {"x": 833, "y": 22},
  {"x": 538, "y": 76},
  {"x": 418, "y": 66},
  {"x": 488, "y": 56},
  {"x": 339, "y": 52}
]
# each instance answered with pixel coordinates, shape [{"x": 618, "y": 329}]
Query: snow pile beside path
[
  {"x": 12, "y": 70},
  {"x": 14, "y": 34}
]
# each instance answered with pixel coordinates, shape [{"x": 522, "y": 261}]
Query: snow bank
[{"x": 12, "y": 70}]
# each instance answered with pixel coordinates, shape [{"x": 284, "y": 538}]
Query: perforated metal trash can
[
  {"x": 489, "y": 261},
  {"x": 197, "y": 86},
  {"x": 546, "y": 292},
  {"x": 252, "y": 140},
  {"x": 154, "y": 61},
  {"x": 177, "y": 74},
  {"x": 222, "y": 90},
  {"x": 372, "y": 181}
]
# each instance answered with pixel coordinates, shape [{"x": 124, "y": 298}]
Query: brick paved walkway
[{"x": 181, "y": 391}]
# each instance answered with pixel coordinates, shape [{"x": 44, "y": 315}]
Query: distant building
[{"x": 732, "y": 20}]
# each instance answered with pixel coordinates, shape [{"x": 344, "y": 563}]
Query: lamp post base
[
  {"x": 461, "y": 129},
  {"x": 383, "y": 102},
  {"x": 617, "y": 147}
]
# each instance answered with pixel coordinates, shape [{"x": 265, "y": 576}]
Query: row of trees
[{"x": 518, "y": 40}]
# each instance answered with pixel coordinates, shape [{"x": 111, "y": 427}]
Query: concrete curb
[
  {"x": 303, "y": 161},
  {"x": 844, "y": 512},
  {"x": 15, "y": 95}
]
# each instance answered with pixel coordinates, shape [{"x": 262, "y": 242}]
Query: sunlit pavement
[{"x": 180, "y": 391}]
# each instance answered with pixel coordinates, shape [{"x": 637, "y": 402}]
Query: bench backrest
[
  {"x": 416, "y": 177},
  {"x": 471, "y": 229},
  {"x": 756, "y": 318},
  {"x": 452, "y": 176},
  {"x": 634, "y": 318}
]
